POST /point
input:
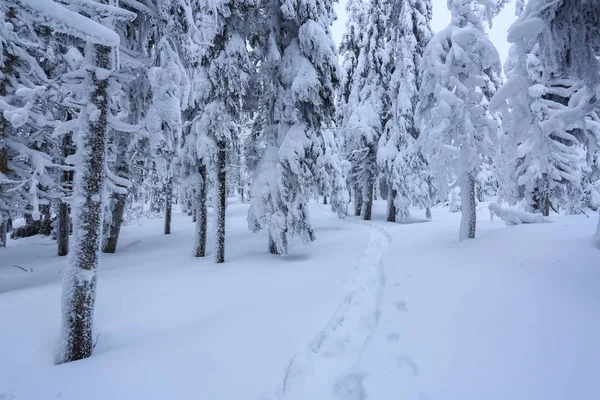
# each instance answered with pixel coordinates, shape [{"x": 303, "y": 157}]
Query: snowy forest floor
[{"x": 371, "y": 310}]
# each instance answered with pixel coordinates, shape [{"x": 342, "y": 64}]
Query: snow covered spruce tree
[
  {"x": 300, "y": 67},
  {"x": 29, "y": 110},
  {"x": 227, "y": 67},
  {"x": 544, "y": 150},
  {"x": 366, "y": 111},
  {"x": 459, "y": 71},
  {"x": 400, "y": 163},
  {"x": 352, "y": 42}
]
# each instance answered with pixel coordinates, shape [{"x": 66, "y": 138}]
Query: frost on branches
[
  {"x": 549, "y": 114},
  {"x": 400, "y": 162},
  {"x": 459, "y": 73},
  {"x": 301, "y": 64}
]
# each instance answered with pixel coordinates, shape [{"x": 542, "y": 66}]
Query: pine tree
[
  {"x": 400, "y": 164},
  {"x": 300, "y": 64},
  {"x": 368, "y": 105},
  {"x": 459, "y": 71}
]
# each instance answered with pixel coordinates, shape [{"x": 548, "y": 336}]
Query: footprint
[
  {"x": 406, "y": 361},
  {"x": 401, "y": 306},
  {"x": 393, "y": 337}
]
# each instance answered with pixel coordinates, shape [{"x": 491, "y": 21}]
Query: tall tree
[
  {"x": 459, "y": 71},
  {"x": 400, "y": 163},
  {"x": 368, "y": 105},
  {"x": 300, "y": 62}
]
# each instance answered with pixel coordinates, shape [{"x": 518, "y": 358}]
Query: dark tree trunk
[
  {"x": 64, "y": 210},
  {"x": 63, "y": 229},
  {"x": 118, "y": 201},
  {"x": 3, "y": 230},
  {"x": 357, "y": 201},
  {"x": 391, "y": 207},
  {"x": 325, "y": 199},
  {"x": 201, "y": 215},
  {"x": 468, "y": 207},
  {"x": 221, "y": 192},
  {"x": 117, "y": 211},
  {"x": 168, "y": 205},
  {"x": 367, "y": 203},
  {"x": 273, "y": 246},
  {"x": 194, "y": 213},
  {"x": 79, "y": 284},
  {"x": 427, "y": 213}
]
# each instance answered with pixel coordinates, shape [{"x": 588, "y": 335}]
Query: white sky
[{"x": 441, "y": 18}]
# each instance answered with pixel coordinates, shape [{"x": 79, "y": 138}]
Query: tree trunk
[
  {"x": 3, "y": 229},
  {"x": 357, "y": 201},
  {"x": 427, "y": 213},
  {"x": 118, "y": 201},
  {"x": 325, "y": 199},
  {"x": 201, "y": 215},
  {"x": 273, "y": 246},
  {"x": 63, "y": 228},
  {"x": 221, "y": 192},
  {"x": 391, "y": 207},
  {"x": 64, "y": 209},
  {"x": 367, "y": 202},
  {"x": 468, "y": 207},
  {"x": 79, "y": 285},
  {"x": 111, "y": 236},
  {"x": 168, "y": 204}
]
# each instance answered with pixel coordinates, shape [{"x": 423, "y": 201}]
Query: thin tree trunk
[
  {"x": 325, "y": 199},
  {"x": 391, "y": 207},
  {"x": 111, "y": 236},
  {"x": 273, "y": 246},
  {"x": 367, "y": 203},
  {"x": 3, "y": 229},
  {"x": 221, "y": 192},
  {"x": 427, "y": 213},
  {"x": 357, "y": 201},
  {"x": 79, "y": 285},
  {"x": 201, "y": 215},
  {"x": 64, "y": 210},
  {"x": 168, "y": 205},
  {"x": 63, "y": 229},
  {"x": 468, "y": 208}
]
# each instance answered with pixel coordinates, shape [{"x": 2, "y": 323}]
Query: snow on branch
[
  {"x": 68, "y": 22},
  {"x": 514, "y": 217}
]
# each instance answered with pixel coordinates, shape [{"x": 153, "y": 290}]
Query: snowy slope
[{"x": 369, "y": 311}]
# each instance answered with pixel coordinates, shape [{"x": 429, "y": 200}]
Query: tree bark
[
  {"x": 64, "y": 210},
  {"x": 168, "y": 205},
  {"x": 3, "y": 230},
  {"x": 63, "y": 229},
  {"x": 391, "y": 207},
  {"x": 201, "y": 215},
  {"x": 357, "y": 201},
  {"x": 221, "y": 192},
  {"x": 111, "y": 236},
  {"x": 79, "y": 285},
  {"x": 468, "y": 207},
  {"x": 118, "y": 201},
  {"x": 367, "y": 202}
]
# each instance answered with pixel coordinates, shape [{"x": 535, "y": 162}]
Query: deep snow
[{"x": 370, "y": 310}]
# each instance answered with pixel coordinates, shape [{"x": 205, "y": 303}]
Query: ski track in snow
[{"x": 327, "y": 369}]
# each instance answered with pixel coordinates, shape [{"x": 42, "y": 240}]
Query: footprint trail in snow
[{"x": 327, "y": 368}]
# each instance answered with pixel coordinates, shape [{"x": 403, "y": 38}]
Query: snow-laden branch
[
  {"x": 514, "y": 217},
  {"x": 68, "y": 22}
]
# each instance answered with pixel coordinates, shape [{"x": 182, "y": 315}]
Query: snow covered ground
[{"x": 369, "y": 311}]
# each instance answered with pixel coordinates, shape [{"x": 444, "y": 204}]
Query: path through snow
[{"x": 327, "y": 368}]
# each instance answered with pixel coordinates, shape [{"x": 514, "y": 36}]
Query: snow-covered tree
[
  {"x": 367, "y": 108},
  {"x": 544, "y": 155},
  {"x": 399, "y": 161},
  {"x": 300, "y": 63},
  {"x": 350, "y": 47},
  {"x": 459, "y": 74}
]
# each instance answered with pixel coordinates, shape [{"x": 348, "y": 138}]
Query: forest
[{"x": 116, "y": 112}]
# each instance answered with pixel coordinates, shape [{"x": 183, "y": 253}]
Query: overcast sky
[{"x": 441, "y": 18}]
